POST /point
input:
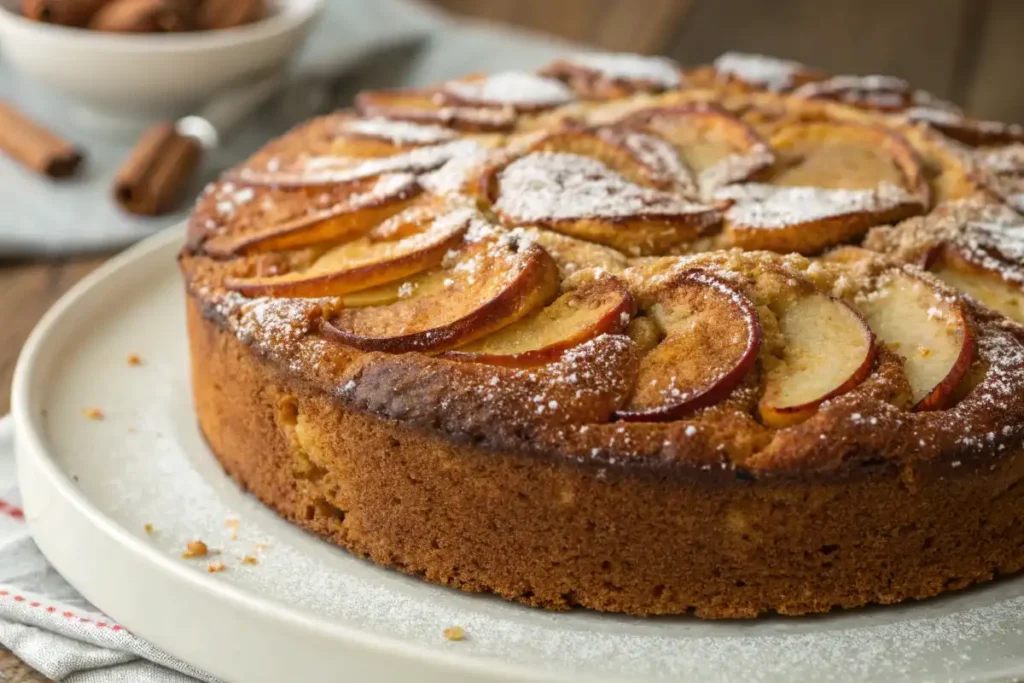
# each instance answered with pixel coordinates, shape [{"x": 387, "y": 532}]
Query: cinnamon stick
[
  {"x": 63, "y": 12},
  {"x": 156, "y": 170},
  {"x": 35, "y": 147},
  {"x": 221, "y": 14},
  {"x": 141, "y": 16}
]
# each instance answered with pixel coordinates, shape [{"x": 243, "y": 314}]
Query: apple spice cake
[{"x": 739, "y": 339}]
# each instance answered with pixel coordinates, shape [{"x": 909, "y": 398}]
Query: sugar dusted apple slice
[
  {"x": 642, "y": 158},
  {"x": 928, "y": 329},
  {"x": 406, "y": 244},
  {"x": 476, "y": 103},
  {"x": 424, "y": 106},
  {"x": 829, "y": 350},
  {"x": 331, "y": 169},
  {"x": 806, "y": 220},
  {"x": 395, "y": 134},
  {"x": 522, "y": 91},
  {"x": 980, "y": 271},
  {"x": 711, "y": 338},
  {"x": 583, "y": 198},
  {"x": 717, "y": 147},
  {"x": 837, "y": 155},
  {"x": 988, "y": 288},
  {"x": 603, "y": 76},
  {"x": 369, "y": 204},
  {"x": 491, "y": 284},
  {"x": 844, "y": 155},
  {"x": 763, "y": 72},
  {"x": 600, "y": 306},
  {"x": 1001, "y": 169},
  {"x": 573, "y": 255},
  {"x": 973, "y": 132},
  {"x": 882, "y": 93}
]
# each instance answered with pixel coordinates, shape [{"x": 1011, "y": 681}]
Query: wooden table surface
[{"x": 965, "y": 50}]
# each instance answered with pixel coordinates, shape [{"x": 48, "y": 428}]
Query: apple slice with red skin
[
  {"x": 641, "y": 158},
  {"x": 928, "y": 328},
  {"x": 491, "y": 284},
  {"x": 600, "y": 306},
  {"x": 716, "y": 146},
  {"x": 358, "y": 213},
  {"x": 829, "y": 349},
  {"x": 371, "y": 260},
  {"x": 987, "y": 279},
  {"x": 712, "y": 336}
]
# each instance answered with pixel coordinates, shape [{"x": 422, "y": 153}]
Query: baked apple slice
[
  {"x": 880, "y": 93},
  {"x": 841, "y": 155},
  {"x": 717, "y": 147},
  {"x": 604, "y": 76},
  {"x": 969, "y": 131},
  {"x": 581, "y": 197},
  {"x": 928, "y": 329},
  {"x": 489, "y": 285},
  {"x": 406, "y": 244},
  {"x": 995, "y": 283},
  {"x": 477, "y": 103},
  {"x": 368, "y": 204},
  {"x": 331, "y": 169},
  {"x": 712, "y": 334},
  {"x": 805, "y": 220},
  {"x": 1002, "y": 171},
  {"x": 763, "y": 72},
  {"x": 829, "y": 350},
  {"x": 642, "y": 158},
  {"x": 600, "y": 306},
  {"x": 833, "y": 182}
]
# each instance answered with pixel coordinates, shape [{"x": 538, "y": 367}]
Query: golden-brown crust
[
  {"x": 557, "y": 535},
  {"x": 331, "y": 416}
]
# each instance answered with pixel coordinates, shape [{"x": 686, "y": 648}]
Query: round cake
[{"x": 739, "y": 339}]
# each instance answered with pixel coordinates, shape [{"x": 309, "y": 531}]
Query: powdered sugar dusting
[
  {"x": 630, "y": 67},
  {"x": 514, "y": 88},
  {"x": 398, "y": 132},
  {"x": 734, "y": 168},
  {"x": 770, "y": 73},
  {"x": 555, "y": 186},
  {"x": 453, "y": 176},
  {"x": 1002, "y": 171},
  {"x": 322, "y": 170},
  {"x": 767, "y": 206},
  {"x": 1008, "y": 159},
  {"x": 883, "y": 92},
  {"x": 658, "y": 156}
]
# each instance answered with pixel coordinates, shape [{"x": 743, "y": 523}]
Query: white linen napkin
[{"x": 52, "y": 628}]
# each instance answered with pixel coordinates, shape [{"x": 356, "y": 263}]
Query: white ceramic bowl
[{"x": 138, "y": 78}]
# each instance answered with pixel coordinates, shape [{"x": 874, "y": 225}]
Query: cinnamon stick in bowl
[{"x": 35, "y": 147}]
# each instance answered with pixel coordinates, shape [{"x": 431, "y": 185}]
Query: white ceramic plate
[{"x": 309, "y": 611}]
